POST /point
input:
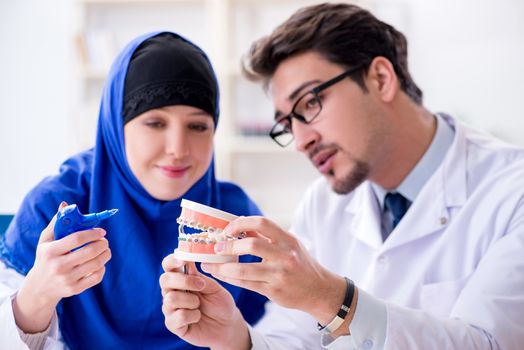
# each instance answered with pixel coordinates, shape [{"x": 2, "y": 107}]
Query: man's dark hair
[{"x": 344, "y": 34}]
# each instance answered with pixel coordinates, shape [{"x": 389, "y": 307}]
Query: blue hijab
[{"x": 124, "y": 310}]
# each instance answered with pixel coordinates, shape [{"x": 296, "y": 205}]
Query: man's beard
[{"x": 354, "y": 178}]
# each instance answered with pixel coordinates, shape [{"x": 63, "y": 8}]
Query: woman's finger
[
  {"x": 170, "y": 263},
  {"x": 183, "y": 317},
  {"x": 180, "y": 300},
  {"x": 87, "y": 253},
  {"x": 94, "y": 264},
  {"x": 76, "y": 240},
  {"x": 180, "y": 281}
]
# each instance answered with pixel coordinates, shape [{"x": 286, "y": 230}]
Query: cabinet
[{"x": 274, "y": 177}]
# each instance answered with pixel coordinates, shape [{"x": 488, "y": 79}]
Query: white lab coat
[{"x": 451, "y": 274}]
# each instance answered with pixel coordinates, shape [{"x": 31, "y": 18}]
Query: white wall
[
  {"x": 35, "y": 93},
  {"x": 467, "y": 56}
]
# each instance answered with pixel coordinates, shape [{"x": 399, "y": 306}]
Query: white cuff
[{"x": 37, "y": 341}]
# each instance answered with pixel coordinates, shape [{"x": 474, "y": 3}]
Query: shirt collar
[{"x": 426, "y": 166}]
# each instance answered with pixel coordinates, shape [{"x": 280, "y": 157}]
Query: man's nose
[{"x": 305, "y": 135}]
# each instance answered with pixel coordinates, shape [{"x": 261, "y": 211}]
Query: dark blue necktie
[{"x": 397, "y": 204}]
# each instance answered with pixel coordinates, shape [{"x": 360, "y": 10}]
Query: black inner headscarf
[{"x": 166, "y": 70}]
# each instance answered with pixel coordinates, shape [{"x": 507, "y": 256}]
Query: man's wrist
[
  {"x": 343, "y": 310},
  {"x": 344, "y": 327},
  {"x": 327, "y": 299}
]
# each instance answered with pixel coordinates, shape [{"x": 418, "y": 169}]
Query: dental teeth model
[{"x": 200, "y": 246}]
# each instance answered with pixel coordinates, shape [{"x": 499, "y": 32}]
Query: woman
[{"x": 154, "y": 146}]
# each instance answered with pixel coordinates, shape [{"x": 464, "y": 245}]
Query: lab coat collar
[
  {"x": 428, "y": 214},
  {"x": 454, "y": 167}
]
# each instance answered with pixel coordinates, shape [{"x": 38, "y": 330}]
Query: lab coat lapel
[
  {"x": 447, "y": 188},
  {"x": 366, "y": 218}
]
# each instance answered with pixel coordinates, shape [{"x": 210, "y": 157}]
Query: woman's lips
[{"x": 174, "y": 171}]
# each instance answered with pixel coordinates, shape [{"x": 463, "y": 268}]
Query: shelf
[
  {"x": 259, "y": 3},
  {"x": 257, "y": 144},
  {"x": 93, "y": 74},
  {"x": 233, "y": 2},
  {"x": 245, "y": 153},
  {"x": 137, "y": 1}
]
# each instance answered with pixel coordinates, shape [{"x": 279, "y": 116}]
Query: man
[{"x": 422, "y": 213}]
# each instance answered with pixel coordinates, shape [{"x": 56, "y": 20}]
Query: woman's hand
[
  {"x": 287, "y": 275},
  {"x": 59, "y": 272},
  {"x": 199, "y": 310}
]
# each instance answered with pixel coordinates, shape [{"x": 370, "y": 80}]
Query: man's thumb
[{"x": 48, "y": 234}]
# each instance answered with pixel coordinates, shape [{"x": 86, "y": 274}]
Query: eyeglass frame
[{"x": 315, "y": 91}]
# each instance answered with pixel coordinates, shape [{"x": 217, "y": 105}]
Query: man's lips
[{"x": 323, "y": 160}]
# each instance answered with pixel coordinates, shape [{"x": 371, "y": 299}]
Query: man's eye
[
  {"x": 312, "y": 102},
  {"x": 307, "y": 103}
]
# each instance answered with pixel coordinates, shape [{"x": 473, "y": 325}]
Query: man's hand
[{"x": 287, "y": 275}]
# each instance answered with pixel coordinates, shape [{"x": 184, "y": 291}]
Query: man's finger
[
  {"x": 255, "y": 246},
  {"x": 259, "y": 287},
  {"x": 258, "y": 272},
  {"x": 256, "y": 226}
]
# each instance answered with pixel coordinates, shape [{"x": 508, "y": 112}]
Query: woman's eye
[
  {"x": 198, "y": 127},
  {"x": 154, "y": 124}
]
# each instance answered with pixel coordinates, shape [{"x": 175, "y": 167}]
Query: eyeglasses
[{"x": 305, "y": 109}]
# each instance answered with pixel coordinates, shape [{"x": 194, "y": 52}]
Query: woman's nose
[{"x": 176, "y": 144}]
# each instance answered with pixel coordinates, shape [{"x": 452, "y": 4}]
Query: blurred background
[{"x": 466, "y": 55}]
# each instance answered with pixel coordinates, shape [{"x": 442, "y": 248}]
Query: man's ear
[{"x": 382, "y": 79}]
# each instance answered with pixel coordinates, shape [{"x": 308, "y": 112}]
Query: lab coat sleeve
[
  {"x": 284, "y": 329},
  {"x": 11, "y": 337}
]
